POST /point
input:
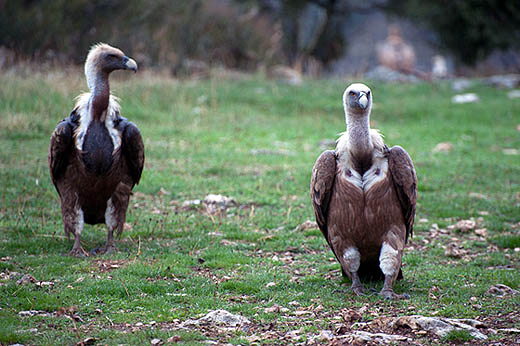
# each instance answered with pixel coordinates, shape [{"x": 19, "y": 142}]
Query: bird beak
[
  {"x": 130, "y": 64},
  {"x": 363, "y": 100}
]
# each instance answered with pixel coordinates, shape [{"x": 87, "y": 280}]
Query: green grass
[{"x": 177, "y": 263}]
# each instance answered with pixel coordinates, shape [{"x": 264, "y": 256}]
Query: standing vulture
[
  {"x": 364, "y": 197},
  {"x": 96, "y": 156}
]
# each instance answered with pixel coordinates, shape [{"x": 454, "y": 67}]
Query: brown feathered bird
[
  {"x": 364, "y": 196},
  {"x": 96, "y": 156}
]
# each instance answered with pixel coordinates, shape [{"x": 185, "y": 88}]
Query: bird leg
[
  {"x": 390, "y": 263},
  {"x": 351, "y": 261},
  {"x": 388, "y": 293},
  {"x": 357, "y": 286},
  {"x": 73, "y": 220},
  {"x": 115, "y": 216}
]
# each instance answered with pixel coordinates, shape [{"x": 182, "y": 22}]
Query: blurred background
[{"x": 399, "y": 39}]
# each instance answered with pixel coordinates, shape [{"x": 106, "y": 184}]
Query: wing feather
[
  {"x": 60, "y": 149},
  {"x": 322, "y": 181},
  {"x": 405, "y": 181},
  {"x": 133, "y": 151}
]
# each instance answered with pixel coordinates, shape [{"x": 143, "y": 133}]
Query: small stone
[
  {"x": 443, "y": 147},
  {"x": 157, "y": 342},
  {"x": 465, "y": 98}
]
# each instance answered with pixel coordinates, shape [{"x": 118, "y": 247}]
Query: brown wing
[
  {"x": 322, "y": 180},
  {"x": 133, "y": 151},
  {"x": 60, "y": 149},
  {"x": 405, "y": 181}
]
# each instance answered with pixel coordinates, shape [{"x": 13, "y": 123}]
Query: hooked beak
[
  {"x": 130, "y": 64},
  {"x": 363, "y": 100}
]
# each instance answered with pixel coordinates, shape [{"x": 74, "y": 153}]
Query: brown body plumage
[
  {"x": 96, "y": 156},
  {"x": 364, "y": 196}
]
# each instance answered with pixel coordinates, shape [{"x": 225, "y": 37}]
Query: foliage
[
  {"x": 159, "y": 32},
  {"x": 469, "y": 29},
  {"x": 255, "y": 140}
]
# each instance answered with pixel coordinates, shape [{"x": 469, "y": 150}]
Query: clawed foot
[
  {"x": 104, "y": 250},
  {"x": 78, "y": 252},
  {"x": 391, "y": 295},
  {"x": 358, "y": 290}
]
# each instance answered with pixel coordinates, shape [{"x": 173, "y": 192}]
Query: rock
[
  {"x": 440, "y": 326},
  {"x": 306, "y": 226},
  {"x": 157, "y": 342},
  {"x": 514, "y": 94},
  {"x": 217, "y": 203},
  {"x": 461, "y": 84},
  {"x": 191, "y": 202},
  {"x": 386, "y": 74},
  {"x": 218, "y": 317},
  {"x": 325, "y": 335},
  {"x": 509, "y": 330},
  {"x": 443, "y": 147},
  {"x": 362, "y": 336},
  {"x": 511, "y": 151},
  {"x": 219, "y": 200},
  {"x": 30, "y": 313},
  {"x": 465, "y": 98},
  {"x": 508, "y": 81}
]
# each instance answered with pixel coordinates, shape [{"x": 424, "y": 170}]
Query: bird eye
[
  {"x": 112, "y": 56},
  {"x": 352, "y": 93},
  {"x": 368, "y": 93}
]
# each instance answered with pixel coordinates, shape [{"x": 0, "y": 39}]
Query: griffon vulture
[
  {"x": 364, "y": 197},
  {"x": 96, "y": 156}
]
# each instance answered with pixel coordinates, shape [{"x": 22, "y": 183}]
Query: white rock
[
  {"x": 219, "y": 317},
  {"x": 378, "y": 337},
  {"x": 465, "y": 98},
  {"x": 514, "y": 94},
  {"x": 218, "y": 199},
  {"x": 191, "y": 202},
  {"x": 442, "y": 326}
]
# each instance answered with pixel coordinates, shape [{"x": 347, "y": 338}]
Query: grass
[{"x": 254, "y": 140}]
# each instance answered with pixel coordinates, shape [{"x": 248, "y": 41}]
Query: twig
[
  {"x": 109, "y": 320},
  {"x": 138, "y": 248},
  {"x": 75, "y": 329},
  {"x": 122, "y": 283}
]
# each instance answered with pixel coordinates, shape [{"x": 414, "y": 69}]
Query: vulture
[
  {"x": 364, "y": 196},
  {"x": 96, "y": 156}
]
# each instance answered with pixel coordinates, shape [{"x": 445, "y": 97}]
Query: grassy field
[{"x": 256, "y": 141}]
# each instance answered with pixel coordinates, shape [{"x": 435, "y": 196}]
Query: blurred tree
[
  {"x": 161, "y": 32},
  {"x": 470, "y": 29}
]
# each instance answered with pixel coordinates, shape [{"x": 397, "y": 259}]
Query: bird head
[
  {"x": 105, "y": 59},
  {"x": 357, "y": 100}
]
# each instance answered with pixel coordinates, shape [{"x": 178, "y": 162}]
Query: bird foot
[
  {"x": 391, "y": 295},
  {"x": 104, "y": 250},
  {"x": 358, "y": 290},
  {"x": 78, "y": 252}
]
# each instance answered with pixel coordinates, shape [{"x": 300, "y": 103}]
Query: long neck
[
  {"x": 358, "y": 132},
  {"x": 100, "y": 95}
]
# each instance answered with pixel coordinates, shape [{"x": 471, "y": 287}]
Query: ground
[{"x": 255, "y": 140}]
